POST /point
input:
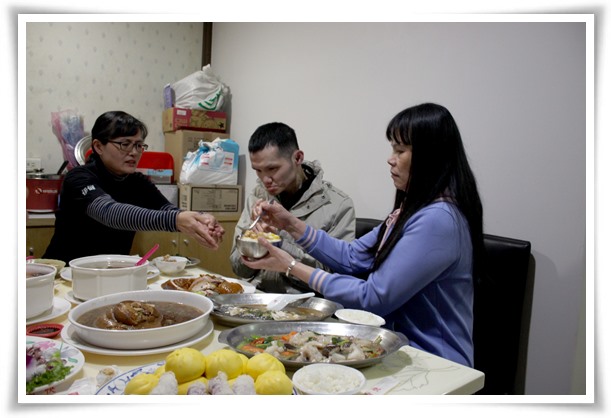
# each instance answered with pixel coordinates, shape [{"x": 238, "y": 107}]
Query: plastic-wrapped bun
[
  {"x": 219, "y": 385},
  {"x": 197, "y": 388},
  {"x": 244, "y": 384},
  {"x": 167, "y": 385}
]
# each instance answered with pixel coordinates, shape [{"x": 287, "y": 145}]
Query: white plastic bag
[
  {"x": 200, "y": 90},
  {"x": 213, "y": 162}
]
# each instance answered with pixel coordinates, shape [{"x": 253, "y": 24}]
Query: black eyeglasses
[{"x": 127, "y": 146}]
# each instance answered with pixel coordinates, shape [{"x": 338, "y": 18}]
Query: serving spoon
[{"x": 280, "y": 302}]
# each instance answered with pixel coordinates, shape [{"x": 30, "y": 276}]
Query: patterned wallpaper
[{"x": 94, "y": 67}]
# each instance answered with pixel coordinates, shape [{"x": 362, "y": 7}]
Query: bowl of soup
[
  {"x": 38, "y": 289},
  {"x": 142, "y": 319},
  {"x": 101, "y": 275}
]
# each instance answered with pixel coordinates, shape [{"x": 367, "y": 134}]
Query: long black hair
[{"x": 439, "y": 169}]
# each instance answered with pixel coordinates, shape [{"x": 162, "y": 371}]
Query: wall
[
  {"x": 98, "y": 66},
  {"x": 518, "y": 93}
]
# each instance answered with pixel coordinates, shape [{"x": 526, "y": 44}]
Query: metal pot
[{"x": 43, "y": 192}]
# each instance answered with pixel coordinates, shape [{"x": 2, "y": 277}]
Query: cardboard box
[
  {"x": 213, "y": 198},
  {"x": 175, "y": 118},
  {"x": 170, "y": 191},
  {"x": 180, "y": 142}
]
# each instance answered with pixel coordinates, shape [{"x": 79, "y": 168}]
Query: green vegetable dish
[{"x": 44, "y": 367}]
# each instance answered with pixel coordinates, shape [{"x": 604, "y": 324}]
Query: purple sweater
[{"x": 424, "y": 289}]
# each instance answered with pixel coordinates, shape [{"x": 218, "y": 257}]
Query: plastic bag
[
  {"x": 67, "y": 125},
  {"x": 200, "y": 90},
  {"x": 213, "y": 162}
]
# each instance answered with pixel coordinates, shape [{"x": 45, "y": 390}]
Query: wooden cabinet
[
  {"x": 39, "y": 232},
  {"x": 177, "y": 243}
]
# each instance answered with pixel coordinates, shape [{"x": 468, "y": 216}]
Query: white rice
[{"x": 329, "y": 379}]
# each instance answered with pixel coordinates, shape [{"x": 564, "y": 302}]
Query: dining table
[{"x": 408, "y": 371}]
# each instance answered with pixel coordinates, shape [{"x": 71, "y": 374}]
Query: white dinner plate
[
  {"x": 116, "y": 386},
  {"x": 192, "y": 262},
  {"x": 60, "y": 307},
  {"x": 70, "y": 336},
  {"x": 72, "y": 356},
  {"x": 69, "y": 296},
  {"x": 152, "y": 272}
]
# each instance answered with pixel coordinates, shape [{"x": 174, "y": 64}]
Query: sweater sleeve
[
  {"x": 426, "y": 249},
  {"x": 107, "y": 211}
]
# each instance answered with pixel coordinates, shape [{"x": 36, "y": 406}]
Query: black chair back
[
  {"x": 502, "y": 306},
  {"x": 364, "y": 225}
]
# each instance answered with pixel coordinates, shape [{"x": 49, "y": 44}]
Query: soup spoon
[{"x": 147, "y": 255}]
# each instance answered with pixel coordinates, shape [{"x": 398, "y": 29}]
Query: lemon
[
  {"x": 273, "y": 382},
  {"x": 141, "y": 384},
  {"x": 224, "y": 360},
  {"x": 263, "y": 362},
  {"x": 184, "y": 387},
  {"x": 186, "y": 363}
]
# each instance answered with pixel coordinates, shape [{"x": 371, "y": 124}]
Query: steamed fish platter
[
  {"x": 205, "y": 284},
  {"x": 130, "y": 315},
  {"x": 312, "y": 347},
  {"x": 251, "y": 235}
]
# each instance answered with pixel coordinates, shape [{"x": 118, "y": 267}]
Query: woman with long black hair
[{"x": 422, "y": 261}]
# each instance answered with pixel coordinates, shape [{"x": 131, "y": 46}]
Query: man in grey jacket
[{"x": 298, "y": 185}]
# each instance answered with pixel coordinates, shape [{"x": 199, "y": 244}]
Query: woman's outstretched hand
[{"x": 202, "y": 226}]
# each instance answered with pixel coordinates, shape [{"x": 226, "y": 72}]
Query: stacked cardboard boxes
[{"x": 183, "y": 130}]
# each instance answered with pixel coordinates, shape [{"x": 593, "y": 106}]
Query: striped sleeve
[{"x": 107, "y": 211}]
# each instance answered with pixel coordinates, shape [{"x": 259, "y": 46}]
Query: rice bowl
[{"x": 328, "y": 379}]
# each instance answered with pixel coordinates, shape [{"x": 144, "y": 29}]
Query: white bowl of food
[
  {"x": 328, "y": 379},
  {"x": 170, "y": 264},
  {"x": 38, "y": 289},
  {"x": 101, "y": 275},
  {"x": 142, "y": 319},
  {"x": 359, "y": 317},
  {"x": 248, "y": 243},
  {"x": 58, "y": 264}
]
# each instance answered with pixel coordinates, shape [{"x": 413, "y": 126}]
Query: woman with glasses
[
  {"x": 104, "y": 202},
  {"x": 422, "y": 261}
]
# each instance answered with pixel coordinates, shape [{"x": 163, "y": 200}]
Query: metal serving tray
[
  {"x": 325, "y": 307},
  {"x": 391, "y": 341}
]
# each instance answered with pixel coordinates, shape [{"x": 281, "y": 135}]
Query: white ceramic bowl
[
  {"x": 58, "y": 264},
  {"x": 142, "y": 338},
  {"x": 359, "y": 317},
  {"x": 171, "y": 265},
  {"x": 100, "y": 275},
  {"x": 328, "y": 379},
  {"x": 38, "y": 288}
]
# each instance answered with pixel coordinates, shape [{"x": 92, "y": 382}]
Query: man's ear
[{"x": 298, "y": 157}]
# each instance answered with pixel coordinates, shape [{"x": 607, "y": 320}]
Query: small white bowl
[
  {"x": 38, "y": 288},
  {"x": 328, "y": 379},
  {"x": 142, "y": 338},
  {"x": 100, "y": 275},
  {"x": 170, "y": 264},
  {"x": 359, "y": 317}
]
